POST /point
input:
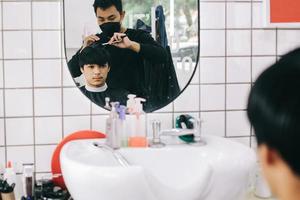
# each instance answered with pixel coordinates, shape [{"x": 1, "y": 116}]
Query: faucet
[
  {"x": 157, "y": 132},
  {"x": 117, "y": 155}
]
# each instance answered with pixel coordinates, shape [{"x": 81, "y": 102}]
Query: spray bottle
[
  {"x": 121, "y": 129},
  {"x": 112, "y": 138}
]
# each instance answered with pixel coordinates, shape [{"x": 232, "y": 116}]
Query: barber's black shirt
[{"x": 127, "y": 67}]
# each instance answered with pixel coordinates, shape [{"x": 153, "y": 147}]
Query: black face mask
[{"x": 110, "y": 28}]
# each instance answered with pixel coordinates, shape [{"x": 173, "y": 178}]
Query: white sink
[{"x": 221, "y": 170}]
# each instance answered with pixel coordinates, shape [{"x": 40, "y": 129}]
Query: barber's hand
[
  {"x": 120, "y": 40},
  {"x": 89, "y": 40}
]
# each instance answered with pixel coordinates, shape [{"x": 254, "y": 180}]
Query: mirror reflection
[{"x": 117, "y": 48}]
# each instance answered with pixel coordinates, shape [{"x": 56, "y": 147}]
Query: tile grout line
[
  {"x": 4, "y": 92},
  {"x": 198, "y": 64},
  {"x": 251, "y": 64},
  {"x": 33, "y": 90},
  {"x": 225, "y": 85},
  {"x": 63, "y": 60},
  {"x": 105, "y": 114}
]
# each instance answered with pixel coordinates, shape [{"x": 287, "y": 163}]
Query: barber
[{"x": 129, "y": 48}]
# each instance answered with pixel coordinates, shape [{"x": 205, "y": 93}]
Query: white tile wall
[
  {"x": 1, "y": 72},
  {"x": 48, "y": 130},
  {"x": 237, "y": 124},
  {"x": 1, "y": 16},
  {"x": 16, "y": 15},
  {"x": 47, "y": 73},
  {"x": 2, "y": 157},
  {"x": 39, "y": 95},
  {"x": 212, "y": 15},
  {"x": 46, "y": 15},
  {"x": 1, "y": 105},
  {"x": 46, "y": 44},
  {"x": 47, "y": 102},
  {"x": 237, "y": 95},
  {"x": 17, "y": 44},
  {"x": 213, "y": 39},
  {"x": 1, "y": 45},
  {"x": 257, "y": 15},
  {"x": 261, "y": 63},
  {"x": 243, "y": 10},
  {"x": 264, "y": 42},
  {"x": 212, "y": 70},
  {"x": 213, "y": 123},
  {"x": 189, "y": 100},
  {"x": 98, "y": 122},
  {"x": 75, "y": 103},
  {"x": 19, "y": 131},
  {"x": 43, "y": 157},
  {"x": 22, "y": 154},
  {"x": 238, "y": 42},
  {"x": 77, "y": 123},
  {"x": 18, "y": 102},
  {"x": 2, "y": 138},
  {"x": 287, "y": 40},
  {"x": 238, "y": 69},
  {"x": 212, "y": 97},
  {"x": 67, "y": 78},
  {"x": 18, "y": 73}
]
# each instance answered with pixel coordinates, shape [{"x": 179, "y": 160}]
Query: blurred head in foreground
[{"x": 274, "y": 112}]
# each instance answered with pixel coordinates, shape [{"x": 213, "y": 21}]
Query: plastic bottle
[
  {"x": 121, "y": 129},
  {"x": 138, "y": 138},
  {"x": 28, "y": 181},
  {"x": 11, "y": 177},
  {"x": 1, "y": 171},
  {"x": 112, "y": 138}
]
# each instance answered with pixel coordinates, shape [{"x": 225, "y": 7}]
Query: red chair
[{"x": 55, "y": 163}]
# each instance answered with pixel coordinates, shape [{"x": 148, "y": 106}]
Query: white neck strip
[{"x": 96, "y": 89}]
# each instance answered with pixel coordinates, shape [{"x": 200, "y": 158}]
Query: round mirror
[{"x": 148, "y": 48}]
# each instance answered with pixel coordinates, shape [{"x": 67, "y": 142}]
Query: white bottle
[
  {"x": 1, "y": 171},
  {"x": 11, "y": 177},
  {"x": 112, "y": 138}
]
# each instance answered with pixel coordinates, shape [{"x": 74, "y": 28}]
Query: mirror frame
[{"x": 183, "y": 89}]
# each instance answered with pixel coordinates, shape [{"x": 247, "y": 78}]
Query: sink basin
[{"x": 220, "y": 170}]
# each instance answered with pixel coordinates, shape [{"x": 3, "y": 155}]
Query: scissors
[{"x": 115, "y": 41}]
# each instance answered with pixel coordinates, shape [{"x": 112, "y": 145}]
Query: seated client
[{"x": 95, "y": 65}]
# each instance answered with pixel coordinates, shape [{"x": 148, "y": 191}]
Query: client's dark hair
[
  {"x": 91, "y": 55},
  {"x": 104, "y": 4},
  {"x": 274, "y": 108}
]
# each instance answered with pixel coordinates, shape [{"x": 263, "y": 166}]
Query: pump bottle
[{"x": 138, "y": 137}]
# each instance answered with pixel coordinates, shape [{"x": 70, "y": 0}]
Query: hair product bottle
[{"x": 138, "y": 121}]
